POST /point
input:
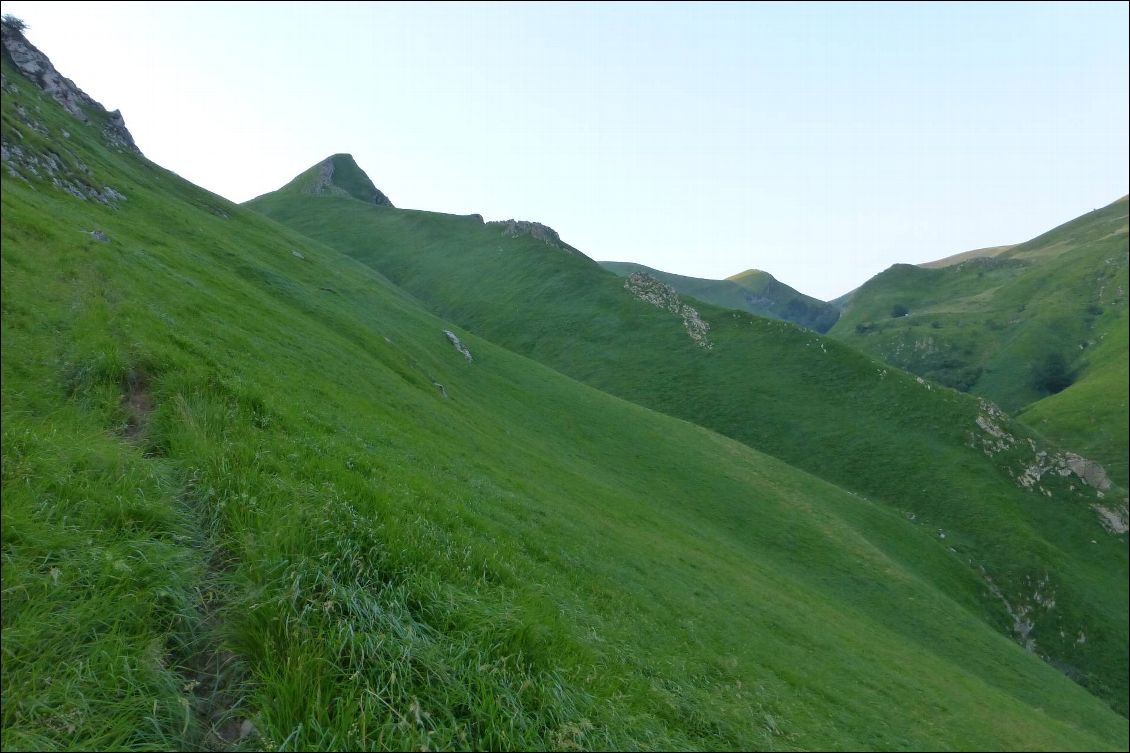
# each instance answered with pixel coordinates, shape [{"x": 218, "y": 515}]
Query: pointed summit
[{"x": 341, "y": 175}]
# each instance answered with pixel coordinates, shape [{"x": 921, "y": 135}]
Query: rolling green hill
[
  {"x": 933, "y": 455},
  {"x": 254, "y": 497},
  {"x": 753, "y": 290},
  {"x": 1017, "y": 327}
]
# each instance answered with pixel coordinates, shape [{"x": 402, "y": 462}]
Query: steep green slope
[
  {"x": 995, "y": 326},
  {"x": 753, "y": 291},
  {"x": 936, "y": 456},
  {"x": 253, "y": 497},
  {"x": 1092, "y": 414}
]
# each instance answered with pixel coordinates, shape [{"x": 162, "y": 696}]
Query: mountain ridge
[
  {"x": 752, "y": 291},
  {"x": 767, "y": 383}
]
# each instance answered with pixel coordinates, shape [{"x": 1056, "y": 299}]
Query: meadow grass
[{"x": 808, "y": 400}]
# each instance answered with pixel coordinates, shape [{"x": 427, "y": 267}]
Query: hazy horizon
[{"x": 820, "y": 143}]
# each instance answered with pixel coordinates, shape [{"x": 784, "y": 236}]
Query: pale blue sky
[{"x": 819, "y": 142}]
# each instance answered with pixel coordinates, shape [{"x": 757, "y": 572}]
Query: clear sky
[{"x": 821, "y": 143}]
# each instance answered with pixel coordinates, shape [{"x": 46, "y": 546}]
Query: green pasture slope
[
  {"x": 1092, "y": 414},
  {"x": 989, "y": 325},
  {"x": 753, "y": 290},
  {"x": 240, "y": 512},
  {"x": 806, "y": 399}
]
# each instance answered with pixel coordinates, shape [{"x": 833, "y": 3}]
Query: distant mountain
[
  {"x": 1039, "y": 328},
  {"x": 753, "y": 291},
  {"x": 338, "y": 175}
]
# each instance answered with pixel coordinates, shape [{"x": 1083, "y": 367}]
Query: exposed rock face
[
  {"x": 331, "y": 180},
  {"x": 1037, "y": 465},
  {"x": 537, "y": 231},
  {"x": 38, "y": 69},
  {"x": 660, "y": 294},
  {"x": 325, "y": 181},
  {"x": 1023, "y": 612},
  {"x": 1116, "y": 520},
  {"x": 1089, "y": 471},
  {"x": 117, "y": 134},
  {"x": 72, "y": 176},
  {"x": 459, "y": 346}
]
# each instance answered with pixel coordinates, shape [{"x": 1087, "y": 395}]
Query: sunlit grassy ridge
[
  {"x": 806, "y": 399},
  {"x": 236, "y": 503},
  {"x": 988, "y": 325}
]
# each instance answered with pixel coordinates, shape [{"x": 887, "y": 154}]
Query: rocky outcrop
[
  {"x": 537, "y": 231},
  {"x": 70, "y": 175},
  {"x": 660, "y": 294},
  {"x": 1039, "y": 597},
  {"x": 1038, "y": 466},
  {"x": 1116, "y": 520},
  {"x": 324, "y": 183},
  {"x": 459, "y": 346},
  {"x": 117, "y": 134},
  {"x": 340, "y": 174},
  {"x": 1090, "y": 472},
  {"x": 38, "y": 69}
]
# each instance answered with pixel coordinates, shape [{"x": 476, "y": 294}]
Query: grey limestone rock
[
  {"x": 38, "y": 69},
  {"x": 660, "y": 294},
  {"x": 458, "y": 345}
]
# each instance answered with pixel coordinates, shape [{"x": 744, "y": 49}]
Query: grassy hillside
[
  {"x": 753, "y": 291},
  {"x": 808, "y": 400},
  {"x": 240, "y": 510},
  {"x": 993, "y": 325},
  {"x": 1092, "y": 414}
]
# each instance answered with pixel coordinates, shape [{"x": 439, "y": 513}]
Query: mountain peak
[
  {"x": 752, "y": 278},
  {"x": 341, "y": 175}
]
